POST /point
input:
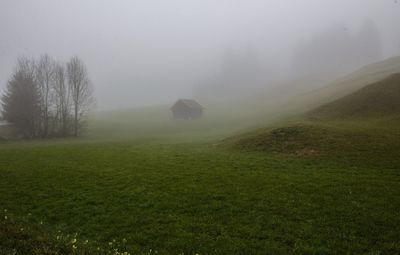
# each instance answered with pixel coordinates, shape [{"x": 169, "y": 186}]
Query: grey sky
[{"x": 151, "y": 52}]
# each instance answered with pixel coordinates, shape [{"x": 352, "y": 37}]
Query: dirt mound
[{"x": 302, "y": 140}]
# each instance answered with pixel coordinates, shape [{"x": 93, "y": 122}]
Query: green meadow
[
  {"x": 147, "y": 184},
  {"x": 255, "y": 178}
]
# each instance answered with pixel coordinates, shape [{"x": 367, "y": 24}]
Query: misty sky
[{"x": 153, "y": 52}]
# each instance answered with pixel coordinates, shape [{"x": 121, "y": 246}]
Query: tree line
[{"x": 48, "y": 98}]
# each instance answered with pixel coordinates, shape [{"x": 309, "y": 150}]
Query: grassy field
[
  {"x": 147, "y": 184},
  {"x": 140, "y": 182}
]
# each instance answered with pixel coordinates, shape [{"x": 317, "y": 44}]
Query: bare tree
[
  {"x": 45, "y": 76},
  {"x": 62, "y": 98},
  {"x": 26, "y": 66},
  {"x": 81, "y": 91}
]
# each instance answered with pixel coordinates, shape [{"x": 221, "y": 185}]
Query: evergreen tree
[{"x": 20, "y": 103}]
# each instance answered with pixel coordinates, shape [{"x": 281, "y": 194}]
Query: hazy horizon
[{"x": 153, "y": 52}]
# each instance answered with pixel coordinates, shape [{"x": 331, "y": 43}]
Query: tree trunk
[{"x": 76, "y": 122}]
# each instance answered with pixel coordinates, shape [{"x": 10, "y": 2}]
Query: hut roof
[{"x": 189, "y": 103}]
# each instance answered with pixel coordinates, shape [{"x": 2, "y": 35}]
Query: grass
[
  {"x": 373, "y": 142},
  {"x": 18, "y": 237},
  {"x": 378, "y": 99},
  {"x": 195, "y": 197},
  {"x": 199, "y": 199},
  {"x": 308, "y": 100}
]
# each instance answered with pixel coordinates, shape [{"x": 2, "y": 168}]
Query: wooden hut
[{"x": 187, "y": 109}]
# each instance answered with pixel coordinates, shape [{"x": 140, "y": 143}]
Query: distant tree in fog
[
  {"x": 46, "y": 98},
  {"x": 62, "y": 98},
  {"x": 21, "y": 100},
  {"x": 45, "y": 72},
  {"x": 370, "y": 46},
  {"x": 81, "y": 91},
  {"x": 241, "y": 72},
  {"x": 337, "y": 50}
]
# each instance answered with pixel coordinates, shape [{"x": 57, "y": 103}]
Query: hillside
[
  {"x": 371, "y": 141},
  {"x": 356, "y": 80},
  {"x": 378, "y": 99},
  {"x": 308, "y": 94},
  {"x": 357, "y": 127}
]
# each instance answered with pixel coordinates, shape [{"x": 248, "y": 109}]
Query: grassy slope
[
  {"x": 308, "y": 100},
  {"x": 372, "y": 142},
  {"x": 363, "y": 123},
  {"x": 361, "y": 129},
  {"x": 350, "y": 83},
  {"x": 378, "y": 99}
]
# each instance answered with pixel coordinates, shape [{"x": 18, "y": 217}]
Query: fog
[{"x": 154, "y": 52}]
